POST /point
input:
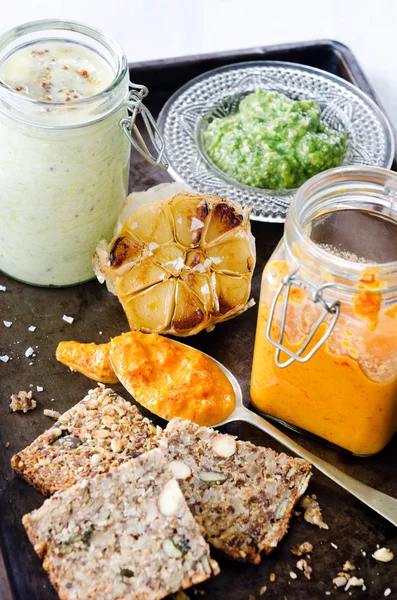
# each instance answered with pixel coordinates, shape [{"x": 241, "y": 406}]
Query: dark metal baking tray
[{"x": 352, "y": 527}]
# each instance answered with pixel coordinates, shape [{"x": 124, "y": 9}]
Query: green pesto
[{"x": 274, "y": 142}]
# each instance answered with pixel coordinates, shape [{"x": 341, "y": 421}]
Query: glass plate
[{"x": 217, "y": 93}]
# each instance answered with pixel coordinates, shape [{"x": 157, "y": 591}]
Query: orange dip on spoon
[
  {"x": 168, "y": 378},
  {"x": 171, "y": 379}
]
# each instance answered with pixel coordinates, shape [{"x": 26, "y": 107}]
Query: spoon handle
[{"x": 381, "y": 503}]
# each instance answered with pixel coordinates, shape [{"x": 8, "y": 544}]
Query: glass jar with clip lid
[
  {"x": 67, "y": 121},
  {"x": 325, "y": 358}
]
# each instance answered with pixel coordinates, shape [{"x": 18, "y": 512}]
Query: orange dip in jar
[{"x": 325, "y": 357}]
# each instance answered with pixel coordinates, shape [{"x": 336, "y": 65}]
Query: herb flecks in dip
[
  {"x": 56, "y": 72},
  {"x": 274, "y": 142}
]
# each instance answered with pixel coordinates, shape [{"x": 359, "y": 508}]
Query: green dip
[{"x": 274, "y": 142}]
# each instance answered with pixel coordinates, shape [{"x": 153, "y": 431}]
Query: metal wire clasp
[
  {"x": 131, "y": 130},
  {"x": 330, "y": 308}
]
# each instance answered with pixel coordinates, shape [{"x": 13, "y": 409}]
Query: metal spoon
[{"x": 381, "y": 503}]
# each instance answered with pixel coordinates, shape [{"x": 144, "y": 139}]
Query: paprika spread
[{"x": 347, "y": 391}]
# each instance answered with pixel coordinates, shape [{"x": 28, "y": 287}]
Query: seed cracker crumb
[
  {"x": 312, "y": 512},
  {"x": 5, "y": 358},
  {"x": 293, "y": 575},
  {"x": 2, "y": 288},
  {"x": 334, "y": 545},
  {"x": 383, "y": 555},
  {"x": 7, "y": 323},
  {"x": 272, "y": 577},
  {"x": 29, "y": 352},
  {"x": 68, "y": 319},
  {"x": 300, "y": 549},
  {"x": 355, "y": 582},
  {"x": 32, "y": 328},
  {"x": 54, "y": 414},
  {"x": 339, "y": 581},
  {"x": 22, "y": 401},
  {"x": 262, "y": 590},
  {"x": 7, "y": 444},
  {"x": 348, "y": 566},
  {"x": 303, "y": 566},
  {"x": 387, "y": 592}
]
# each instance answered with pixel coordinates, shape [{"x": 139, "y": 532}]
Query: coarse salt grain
[
  {"x": 2, "y": 288},
  {"x": 387, "y": 592},
  {"x": 5, "y": 358},
  {"x": 334, "y": 545},
  {"x": 216, "y": 259},
  {"x": 39, "y": 388},
  {"x": 32, "y": 328},
  {"x": 68, "y": 319},
  {"x": 196, "y": 224},
  {"x": 7, "y": 323},
  {"x": 29, "y": 352},
  {"x": 293, "y": 575}
]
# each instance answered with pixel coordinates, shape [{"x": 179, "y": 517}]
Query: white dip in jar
[{"x": 64, "y": 159}]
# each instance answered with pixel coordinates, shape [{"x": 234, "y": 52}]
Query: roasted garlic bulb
[{"x": 181, "y": 264}]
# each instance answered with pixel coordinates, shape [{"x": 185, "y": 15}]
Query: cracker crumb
[
  {"x": 355, "y": 582},
  {"x": 5, "y": 358},
  {"x": 7, "y": 323},
  {"x": 262, "y": 590},
  {"x": 2, "y": 288},
  {"x": 7, "y": 444},
  {"x": 293, "y": 575},
  {"x": 68, "y": 319},
  {"x": 54, "y": 414},
  {"x": 22, "y": 401},
  {"x": 32, "y": 328},
  {"x": 272, "y": 577},
  {"x": 383, "y": 555},
  {"x": 300, "y": 549},
  {"x": 348, "y": 566},
  {"x": 312, "y": 512},
  {"x": 29, "y": 352},
  {"x": 303, "y": 566},
  {"x": 387, "y": 592},
  {"x": 339, "y": 581}
]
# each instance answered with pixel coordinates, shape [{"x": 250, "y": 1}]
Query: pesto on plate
[{"x": 274, "y": 142}]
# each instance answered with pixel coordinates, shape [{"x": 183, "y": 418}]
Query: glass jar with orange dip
[{"x": 325, "y": 358}]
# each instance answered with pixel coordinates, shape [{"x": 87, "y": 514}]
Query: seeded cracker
[
  {"x": 242, "y": 495},
  {"x": 126, "y": 534},
  {"x": 101, "y": 431}
]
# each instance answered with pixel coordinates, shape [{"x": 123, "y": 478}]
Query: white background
[{"x": 150, "y": 29}]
